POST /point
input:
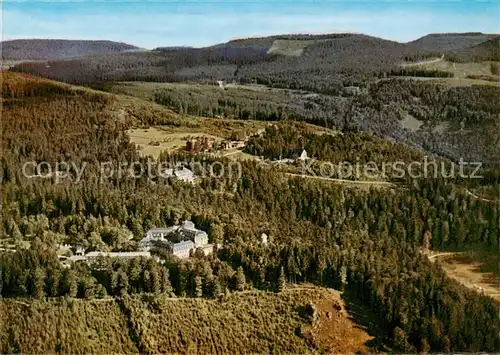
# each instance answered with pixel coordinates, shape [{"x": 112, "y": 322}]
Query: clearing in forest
[
  {"x": 468, "y": 272},
  {"x": 152, "y": 141},
  {"x": 464, "y": 74},
  {"x": 288, "y": 47}
]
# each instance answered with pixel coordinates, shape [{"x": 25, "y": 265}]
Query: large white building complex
[{"x": 180, "y": 240}]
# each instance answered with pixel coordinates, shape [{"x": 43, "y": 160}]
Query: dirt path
[
  {"x": 434, "y": 256},
  {"x": 468, "y": 273},
  {"x": 479, "y": 197},
  {"x": 423, "y": 62}
]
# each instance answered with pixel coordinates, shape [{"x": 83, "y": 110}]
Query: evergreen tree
[
  {"x": 198, "y": 286},
  {"x": 281, "y": 282},
  {"x": 38, "y": 283},
  {"x": 53, "y": 280},
  {"x": 122, "y": 284},
  {"x": 400, "y": 341},
  {"x": 155, "y": 280},
  {"x": 215, "y": 287},
  {"x": 100, "y": 291},
  {"x": 68, "y": 283},
  {"x": 166, "y": 284},
  {"x": 240, "y": 281}
]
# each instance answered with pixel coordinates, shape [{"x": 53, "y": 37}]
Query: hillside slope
[
  {"x": 297, "y": 320},
  {"x": 323, "y": 63},
  {"x": 67, "y": 326},
  {"x": 55, "y": 49},
  {"x": 442, "y": 42},
  {"x": 327, "y": 234},
  {"x": 485, "y": 51}
]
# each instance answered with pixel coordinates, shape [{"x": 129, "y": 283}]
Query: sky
[{"x": 198, "y": 23}]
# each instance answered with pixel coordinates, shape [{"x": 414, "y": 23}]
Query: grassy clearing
[
  {"x": 236, "y": 154},
  {"x": 291, "y": 47},
  {"x": 465, "y": 74},
  {"x": 154, "y": 140}
]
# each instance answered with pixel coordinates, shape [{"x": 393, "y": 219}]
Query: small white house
[
  {"x": 182, "y": 174},
  {"x": 79, "y": 250},
  {"x": 263, "y": 238},
  {"x": 303, "y": 155}
]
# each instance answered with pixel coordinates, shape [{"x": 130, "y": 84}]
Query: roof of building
[
  {"x": 201, "y": 233},
  {"x": 168, "y": 172},
  {"x": 162, "y": 230},
  {"x": 187, "y": 224},
  {"x": 184, "y": 174},
  {"x": 183, "y": 245},
  {"x": 303, "y": 155}
]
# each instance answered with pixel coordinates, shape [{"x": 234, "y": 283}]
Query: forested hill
[
  {"x": 442, "y": 42},
  {"x": 489, "y": 50},
  {"x": 366, "y": 243},
  {"x": 54, "y": 49},
  {"x": 310, "y": 62},
  {"x": 320, "y": 63}
]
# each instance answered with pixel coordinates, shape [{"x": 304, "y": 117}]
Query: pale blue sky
[{"x": 151, "y": 24}]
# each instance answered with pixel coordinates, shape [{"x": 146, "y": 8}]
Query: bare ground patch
[
  {"x": 468, "y": 272},
  {"x": 337, "y": 328},
  {"x": 411, "y": 123}
]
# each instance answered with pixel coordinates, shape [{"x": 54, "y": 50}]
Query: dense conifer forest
[
  {"x": 365, "y": 242},
  {"x": 455, "y": 122},
  {"x": 53, "y": 49}
]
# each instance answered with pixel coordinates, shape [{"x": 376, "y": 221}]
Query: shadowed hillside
[
  {"x": 53, "y": 49},
  {"x": 324, "y": 63},
  {"x": 442, "y": 42},
  {"x": 485, "y": 51}
]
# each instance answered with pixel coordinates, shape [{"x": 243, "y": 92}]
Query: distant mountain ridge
[
  {"x": 322, "y": 63},
  {"x": 485, "y": 51},
  {"x": 442, "y": 42},
  {"x": 55, "y": 49}
]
